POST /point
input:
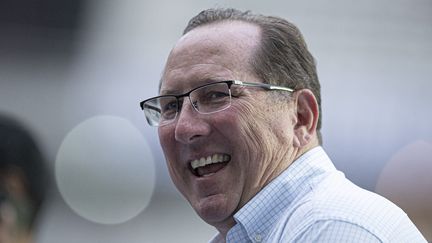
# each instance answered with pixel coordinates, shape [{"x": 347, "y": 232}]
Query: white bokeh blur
[
  {"x": 374, "y": 60},
  {"x": 105, "y": 171}
]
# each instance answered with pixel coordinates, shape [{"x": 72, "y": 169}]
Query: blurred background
[{"x": 74, "y": 73}]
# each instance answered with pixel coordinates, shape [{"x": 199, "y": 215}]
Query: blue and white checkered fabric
[{"x": 311, "y": 201}]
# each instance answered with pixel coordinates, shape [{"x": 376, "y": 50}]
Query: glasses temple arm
[{"x": 262, "y": 85}]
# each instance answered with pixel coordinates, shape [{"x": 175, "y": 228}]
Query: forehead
[{"x": 209, "y": 53}]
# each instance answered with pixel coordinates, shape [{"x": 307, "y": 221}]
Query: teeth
[{"x": 215, "y": 158}]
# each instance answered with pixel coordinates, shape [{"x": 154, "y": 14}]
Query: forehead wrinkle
[
  {"x": 198, "y": 77},
  {"x": 190, "y": 55},
  {"x": 187, "y": 64}
]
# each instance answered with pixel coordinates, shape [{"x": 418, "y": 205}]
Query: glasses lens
[
  {"x": 161, "y": 110},
  {"x": 211, "y": 98}
]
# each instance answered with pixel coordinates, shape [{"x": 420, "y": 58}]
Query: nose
[{"x": 190, "y": 125}]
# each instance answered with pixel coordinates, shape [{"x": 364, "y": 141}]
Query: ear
[{"x": 307, "y": 113}]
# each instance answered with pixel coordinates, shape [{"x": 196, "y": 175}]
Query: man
[
  {"x": 239, "y": 120},
  {"x": 23, "y": 182}
]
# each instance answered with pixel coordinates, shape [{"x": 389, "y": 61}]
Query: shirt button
[{"x": 258, "y": 238}]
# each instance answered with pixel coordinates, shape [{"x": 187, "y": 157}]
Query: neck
[
  {"x": 274, "y": 171},
  {"x": 314, "y": 143},
  {"x": 224, "y": 227}
]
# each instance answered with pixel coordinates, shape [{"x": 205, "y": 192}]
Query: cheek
[
  {"x": 256, "y": 134},
  {"x": 167, "y": 142},
  {"x": 166, "y": 139},
  {"x": 169, "y": 149},
  {"x": 265, "y": 135}
]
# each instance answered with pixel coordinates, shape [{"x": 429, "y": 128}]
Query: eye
[
  {"x": 169, "y": 107},
  {"x": 211, "y": 98},
  {"x": 214, "y": 95}
]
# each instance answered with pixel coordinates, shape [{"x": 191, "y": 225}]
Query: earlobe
[{"x": 307, "y": 117}]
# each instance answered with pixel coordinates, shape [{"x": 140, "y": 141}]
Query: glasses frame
[{"x": 268, "y": 87}]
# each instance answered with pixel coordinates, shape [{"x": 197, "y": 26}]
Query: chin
[{"x": 215, "y": 210}]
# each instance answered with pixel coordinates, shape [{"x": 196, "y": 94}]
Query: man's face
[{"x": 247, "y": 137}]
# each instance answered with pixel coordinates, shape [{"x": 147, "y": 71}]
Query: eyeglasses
[{"x": 205, "y": 99}]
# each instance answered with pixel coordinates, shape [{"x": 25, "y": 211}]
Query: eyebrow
[
  {"x": 199, "y": 83},
  {"x": 171, "y": 92}
]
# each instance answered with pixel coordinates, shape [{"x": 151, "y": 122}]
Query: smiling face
[{"x": 248, "y": 144}]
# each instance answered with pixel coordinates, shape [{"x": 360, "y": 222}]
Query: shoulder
[
  {"x": 335, "y": 231},
  {"x": 336, "y": 209},
  {"x": 346, "y": 231}
]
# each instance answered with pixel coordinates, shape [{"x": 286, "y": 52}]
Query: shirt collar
[{"x": 259, "y": 215}]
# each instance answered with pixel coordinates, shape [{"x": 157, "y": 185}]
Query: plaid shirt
[{"x": 311, "y": 201}]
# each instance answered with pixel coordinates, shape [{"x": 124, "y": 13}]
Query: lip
[
  {"x": 204, "y": 155},
  {"x": 210, "y": 178},
  {"x": 193, "y": 156},
  {"x": 210, "y": 185},
  {"x": 210, "y": 159}
]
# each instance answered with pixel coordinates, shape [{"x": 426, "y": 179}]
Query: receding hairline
[{"x": 256, "y": 44}]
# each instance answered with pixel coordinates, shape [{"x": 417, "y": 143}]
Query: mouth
[{"x": 206, "y": 166}]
